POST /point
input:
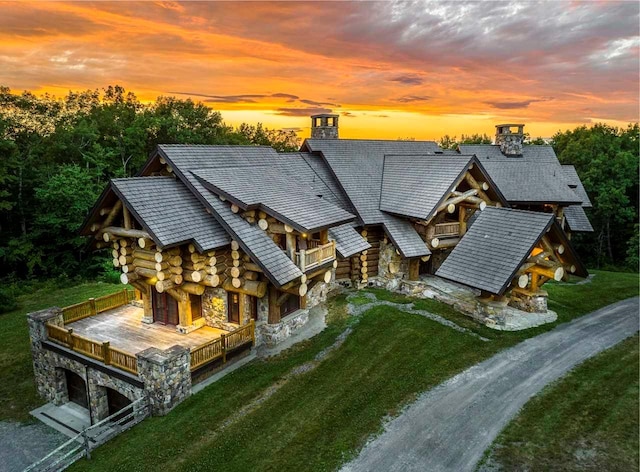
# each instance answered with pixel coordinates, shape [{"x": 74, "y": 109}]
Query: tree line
[{"x": 57, "y": 155}]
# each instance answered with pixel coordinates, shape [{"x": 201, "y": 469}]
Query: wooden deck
[{"x": 123, "y": 328}]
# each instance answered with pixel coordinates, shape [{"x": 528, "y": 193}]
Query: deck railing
[
  {"x": 98, "y": 350},
  {"x": 310, "y": 258},
  {"x": 93, "y": 306},
  {"x": 447, "y": 229},
  {"x": 221, "y": 347}
]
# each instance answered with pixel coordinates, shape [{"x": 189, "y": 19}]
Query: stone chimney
[
  {"x": 510, "y": 141},
  {"x": 324, "y": 126}
]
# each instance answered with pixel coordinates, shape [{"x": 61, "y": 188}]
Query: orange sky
[{"x": 392, "y": 70}]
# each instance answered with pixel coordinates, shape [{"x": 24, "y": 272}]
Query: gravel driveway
[
  {"x": 450, "y": 427},
  {"x": 23, "y": 444}
]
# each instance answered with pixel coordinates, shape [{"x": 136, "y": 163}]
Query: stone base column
[
  {"x": 166, "y": 376},
  {"x": 46, "y": 377}
]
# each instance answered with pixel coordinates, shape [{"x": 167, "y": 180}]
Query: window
[
  {"x": 253, "y": 307},
  {"x": 291, "y": 304},
  {"x": 196, "y": 307}
]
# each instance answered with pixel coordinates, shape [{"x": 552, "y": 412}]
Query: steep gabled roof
[
  {"x": 358, "y": 167},
  {"x": 574, "y": 182},
  {"x": 495, "y": 246},
  {"x": 169, "y": 212},
  {"x": 577, "y": 219},
  {"x": 534, "y": 153},
  {"x": 266, "y": 187},
  {"x": 274, "y": 262},
  {"x": 531, "y": 182}
]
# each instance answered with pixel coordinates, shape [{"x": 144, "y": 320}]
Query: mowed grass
[
  {"x": 17, "y": 388},
  {"x": 587, "y": 421},
  {"x": 320, "y": 419}
]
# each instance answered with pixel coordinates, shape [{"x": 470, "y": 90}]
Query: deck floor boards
[{"x": 124, "y": 329}]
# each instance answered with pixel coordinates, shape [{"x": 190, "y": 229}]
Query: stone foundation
[
  {"x": 531, "y": 303},
  {"x": 272, "y": 334},
  {"x": 164, "y": 376},
  {"x": 493, "y": 314}
]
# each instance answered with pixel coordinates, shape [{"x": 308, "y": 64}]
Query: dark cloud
[
  {"x": 302, "y": 111},
  {"x": 295, "y": 130},
  {"x": 412, "y": 99},
  {"x": 348, "y": 114},
  {"x": 285, "y": 95},
  {"x": 514, "y": 105},
  {"x": 318, "y": 104},
  {"x": 408, "y": 79},
  {"x": 248, "y": 98}
]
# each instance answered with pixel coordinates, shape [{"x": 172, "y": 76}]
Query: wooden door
[
  {"x": 234, "y": 307},
  {"x": 77, "y": 389},
  {"x": 165, "y": 308},
  {"x": 117, "y": 402}
]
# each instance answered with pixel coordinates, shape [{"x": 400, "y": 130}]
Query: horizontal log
[
  {"x": 130, "y": 277},
  {"x": 236, "y": 271},
  {"x": 211, "y": 280},
  {"x": 555, "y": 273},
  {"x": 252, "y": 267},
  {"x": 145, "y": 255},
  {"x": 194, "y": 289},
  {"x": 144, "y": 272},
  {"x": 112, "y": 231},
  {"x": 164, "y": 285},
  {"x": 249, "y": 287},
  {"x": 251, "y": 275},
  {"x": 450, "y": 204},
  {"x": 124, "y": 260},
  {"x": 194, "y": 275},
  {"x": 105, "y": 211}
]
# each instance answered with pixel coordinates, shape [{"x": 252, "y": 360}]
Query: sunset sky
[{"x": 390, "y": 69}]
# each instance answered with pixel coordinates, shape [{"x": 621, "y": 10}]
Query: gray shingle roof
[
  {"x": 358, "y": 167},
  {"x": 577, "y": 219},
  {"x": 174, "y": 215},
  {"x": 573, "y": 180},
  {"x": 348, "y": 240},
  {"x": 494, "y": 247},
  {"x": 413, "y": 186},
  {"x": 275, "y": 263},
  {"x": 269, "y": 188},
  {"x": 530, "y": 182},
  {"x": 404, "y": 236},
  {"x": 535, "y": 153}
]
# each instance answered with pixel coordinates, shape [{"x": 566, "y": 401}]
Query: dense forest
[{"x": 57, "y": 155}]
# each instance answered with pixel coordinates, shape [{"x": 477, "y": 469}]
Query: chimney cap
[{"x": 325, "y": 115}]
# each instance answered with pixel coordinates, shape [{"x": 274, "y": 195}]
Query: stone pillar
[
  {"x": 44, "y": 373},
  {"x": 166, "y": 376}
]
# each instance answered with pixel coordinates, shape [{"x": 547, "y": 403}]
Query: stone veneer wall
[
  {"x": 166, "y": 375},
  {"x": 388, "y": 254},
  {"x": 272, "y": 334}
]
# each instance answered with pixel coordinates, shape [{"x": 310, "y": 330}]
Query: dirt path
[{"x": 450, "y": 427}]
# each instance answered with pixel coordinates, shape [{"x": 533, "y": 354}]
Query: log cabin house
[{"x": 229, "y": 247}]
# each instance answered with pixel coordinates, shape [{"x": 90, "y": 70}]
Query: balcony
[
  {"x": 315, "y": 256},
  {"x": 447, "y": 230}
]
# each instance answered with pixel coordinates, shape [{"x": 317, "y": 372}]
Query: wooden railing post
[
  {"x": 106, "y": 353},
  {"x": 92, "y": 302},
  {"x": 253, "y": 333},
  {"x": 223, "y": 338},
  {"x": 70, "y": 338},
  {"x": 303, "y": 260},
  {"x": 125, "y": 292}
]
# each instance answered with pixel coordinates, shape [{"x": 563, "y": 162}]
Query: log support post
[{"x": 414, "y": 269}]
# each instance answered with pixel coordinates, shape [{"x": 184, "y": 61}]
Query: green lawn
[
  {"x": 17, "y": 388},
  {"x": 321, "y": 418},
  {"x": 586, "y": 421}
]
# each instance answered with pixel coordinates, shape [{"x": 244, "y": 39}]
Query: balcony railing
[
  {"x": 93, "y": 306},
  {"x": 98, "y": 350},
  {"x": 444, "y": 230},
  {"x": 314, "y": 257},
  {"x": 220, "y": 347}
]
